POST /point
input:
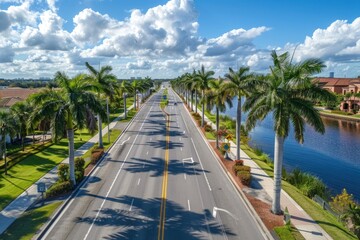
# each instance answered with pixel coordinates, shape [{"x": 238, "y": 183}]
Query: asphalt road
[{"x": 159, "y": 181}]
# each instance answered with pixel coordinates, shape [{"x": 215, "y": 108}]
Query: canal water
[{"x": 334, "y": 156}]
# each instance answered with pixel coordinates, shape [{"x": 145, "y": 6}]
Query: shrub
[
  {"x": 94, "y": 148},
  {"x": 63, "y": 172},
  {"x": 308, "y": 184},
  {"x": 207, "y": 128},
  {"x": 239, "y": 162},
  {"x": 198, "y": 122},
  {"x": 238, "y": 168},
  {"x": 245, "y": 177},
  {"x": 341, "y": 202},
  {"x": 95, "y": 156},
  {"x": 258, "y": 151},
  {"x": 59, "y": 188},
  {"x": 79, "y": 168}
]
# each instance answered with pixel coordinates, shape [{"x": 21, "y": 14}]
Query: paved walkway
[
  {"x": 262, "y": 188},
  {"x": 17, "y": 207}
]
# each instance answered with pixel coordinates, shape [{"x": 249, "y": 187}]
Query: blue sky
[{"x": 166, "y": 38}]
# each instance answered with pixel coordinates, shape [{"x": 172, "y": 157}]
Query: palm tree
[
  {"x": 69, "y": 109},
  {"x": 288, "y": 92},
  {"x": 106, "y": 82},
  {"x": 137, "y": 86},
  {"x": 201, "y": 82},
  {"x": 124, "y": 89},
  {"x": 218, "y": 96},
  {"x": 8, "y": 127},
  {"x": 239, "y": 85},
  {"x": 21, "y": 111}
]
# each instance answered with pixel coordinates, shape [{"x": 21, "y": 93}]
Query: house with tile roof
[{"x": 344, "y": 86}]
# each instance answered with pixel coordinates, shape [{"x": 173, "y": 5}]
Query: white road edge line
[
  {"x": 189, "y": 205},
  {"x": 113, "y": 182},
  {"x": 197, "y": 154},
  {"x": 185, "y": 176}
]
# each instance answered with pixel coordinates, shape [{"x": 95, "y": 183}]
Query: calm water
[{"x": 334, "y": 157}]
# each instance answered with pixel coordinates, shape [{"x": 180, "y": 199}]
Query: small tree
[{"x": 342, "y": 201}]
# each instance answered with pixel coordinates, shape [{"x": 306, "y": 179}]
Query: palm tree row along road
[
  {"x": 159, "y": 181},
  {"x": 288, "y": 93}
]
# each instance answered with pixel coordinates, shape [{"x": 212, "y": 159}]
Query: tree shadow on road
[{"x": 142, "y": 221}]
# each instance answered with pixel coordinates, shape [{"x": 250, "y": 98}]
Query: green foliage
[
  {"x": 208, "y": 128},
  {"x": 341, "y": 202},
  {"x": 245, "y": 177},
  {"x": 308, "y": 184},
  {"x": 239, "y": 162},
  {"x": 79, "y": 168},
  {"x": 241, "y": 168},
  {"x": 58, "y": 189},
  {"x": 63, "y": 172},
  {"x": 342, "y": 113}
]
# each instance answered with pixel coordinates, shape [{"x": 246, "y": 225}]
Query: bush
[
  {"x": 207, "y": 128},
  {"x": 59, "y": 188},
  {"x": 79, "y": 168},
  {"x": 239, "y": 168},
  {"x": 63, "y": 172},
  {"x": 239, "y": 162},
  {"x": 198, "y": 122},
  {"x": 94, "y": 148},
  {"x": 341, "y": 202},
  {"x": 245, "y": 177},
  {"x": 96, "y": 155},
  {"x": 308, "y": 184}
]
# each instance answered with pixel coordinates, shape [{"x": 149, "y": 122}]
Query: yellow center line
[{"x": 164, "y": 183}]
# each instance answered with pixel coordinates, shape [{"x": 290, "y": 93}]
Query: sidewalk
[
  {"x": 17, "y": 207},
  {"x": 308, "y": 228}
]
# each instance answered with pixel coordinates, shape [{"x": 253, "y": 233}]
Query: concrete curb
[{"x": 250, "y": 208}]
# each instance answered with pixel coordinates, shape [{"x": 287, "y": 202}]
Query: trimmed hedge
[
  {"x": 245, "y": 177},
  {"x": 238, "y": 168},
  {"x": 96, "y": 155},
  {"x": 59, "y": 188}
]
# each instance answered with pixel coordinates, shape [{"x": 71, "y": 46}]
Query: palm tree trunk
[
  {"x": 203, "y": 109},
  {"x": 125, "y": 106},
  {"x": 192, "y": 101},
  {"x": 217, "y": 127},
  {"x": 70, "y": 133},
  {"x": 196, "y": 101},
  {"x": 22, "y": 143},
  {"x": 100, "y": 132},
  {"x": 238, "y": 128},
  {"x": 278, "y": 157}
]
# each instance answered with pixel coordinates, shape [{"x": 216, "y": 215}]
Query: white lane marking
[
  {"x": 113, "y": 182},
  {"x": 132, "y": 201},
  {"x": 122, "y": 143},
  {"x": 147, "y": 153},
  {"x": 181, "y": 149},
  {"x": 138, "y": 181},
  {"x": 180, "y": 139},
  {"x": 185, "y": 176},
  {"x": 150, "y": 139},
  {"x": 189, "y": 205},
  {"x": 143, "y": 165},
  {"x": 197, "y": 154},
  {"x": 184, "y": 132},
  {"x": 189, "y": 160}
]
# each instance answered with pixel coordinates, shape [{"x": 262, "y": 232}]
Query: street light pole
[{"x": 4, "y": 153}]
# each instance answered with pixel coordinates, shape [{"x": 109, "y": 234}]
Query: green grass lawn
[
  {"x": 32, "y": 168},
  {"x": 29, "y": 223},
  {"x": 327, "y": 221}
]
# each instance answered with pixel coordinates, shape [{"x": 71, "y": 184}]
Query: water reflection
[{"x": 334, "y": 156}]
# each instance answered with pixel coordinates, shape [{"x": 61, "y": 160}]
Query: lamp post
[{"x": 4, "y": 152}]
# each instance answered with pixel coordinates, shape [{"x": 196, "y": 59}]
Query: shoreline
[{"x": 339, "y": 117}]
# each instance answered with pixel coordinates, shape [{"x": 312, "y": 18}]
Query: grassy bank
[{"x": 24, "y": 227}]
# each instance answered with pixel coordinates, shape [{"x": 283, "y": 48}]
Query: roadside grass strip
[{"x": 29, "y": 223}]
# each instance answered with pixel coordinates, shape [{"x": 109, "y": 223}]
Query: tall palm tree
[
  {"x": 137, "y": 86},
  {"x": 239, "y": 84},
  {"x": 124, "y": 89},
  {"x": 8, "y": 127},
  {"x": 69, "y": 108},
  {"x": 218, "y": 96},
  {"x": 21, "y": 111},
  {"x": 201, "y": 82},
  {"x": 106, "y": 82},
  {"x": 288, "y": 93}
]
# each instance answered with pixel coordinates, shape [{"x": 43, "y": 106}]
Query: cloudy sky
[{"x": 166, "y": 38}]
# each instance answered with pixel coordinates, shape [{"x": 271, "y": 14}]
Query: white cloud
[
  {"x": 6, "y": 54},
  {"x": 51, "y": 4},
  {"x": 140, "y": 64}
]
